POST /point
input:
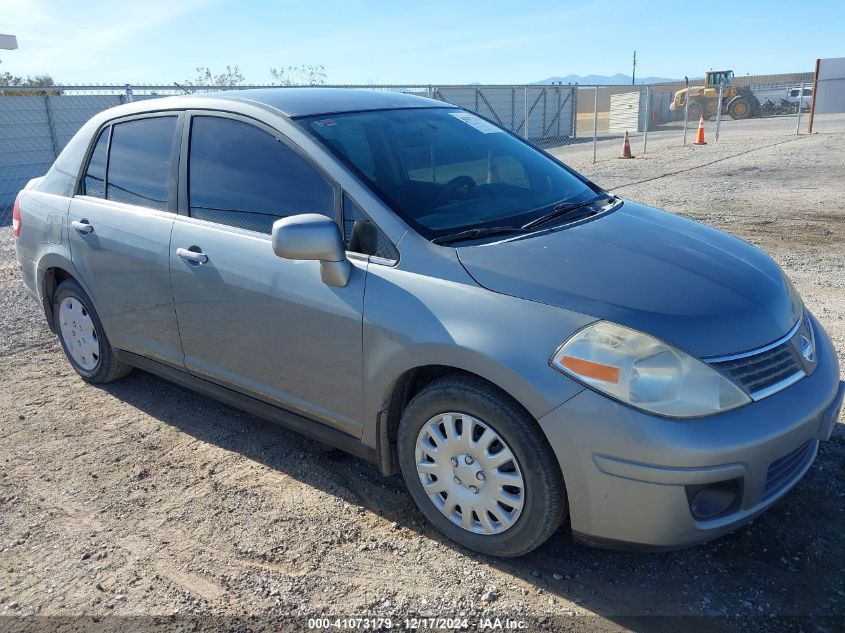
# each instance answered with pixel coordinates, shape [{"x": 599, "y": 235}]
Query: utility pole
[{"x": 634, "y": 70}]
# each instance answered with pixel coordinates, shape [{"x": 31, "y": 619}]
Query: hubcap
[
  {"x": 78, "y": 333},
  {"x": 470, "y": 473}
]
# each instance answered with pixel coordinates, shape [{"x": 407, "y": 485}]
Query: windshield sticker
[
  {"x": 478, "y": 123},
  {"x": 325, "y": 122}
]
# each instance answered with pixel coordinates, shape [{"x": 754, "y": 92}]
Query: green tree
[{"x": 35, "y": 81}]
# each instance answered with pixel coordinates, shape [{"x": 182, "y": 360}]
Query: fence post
[
  {"x": 50, "y": 125},
  {"x": 129, "y": 97},
  {"x": 813, "y": 97},
  {"x": 595, "y": 119},
  {"x": 647, "y": 112},
  {"x": 719, "y": 108},
  {"x": 525, "y": 123},
  {"x": 686, "y": 112},
  {"x": 800, "y": 103}
]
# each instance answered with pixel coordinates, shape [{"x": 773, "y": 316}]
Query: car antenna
[{"x": 187, "y": 92}]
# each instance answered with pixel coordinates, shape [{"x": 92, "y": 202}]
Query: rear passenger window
[
  {"x": 94, "y": 183},
  {"x": 139, "y": 162},
  {"x": 242, "y": 176}
]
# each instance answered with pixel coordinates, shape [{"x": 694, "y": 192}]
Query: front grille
[
  {"x": 760, "y": 371},
  {"x": 783, "y": 471},
  {"x": 769, "y": 369}
]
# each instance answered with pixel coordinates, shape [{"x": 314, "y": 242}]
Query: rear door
[
  {"x": 120, "y": 224},
  {"x": 249, "y": 320}
]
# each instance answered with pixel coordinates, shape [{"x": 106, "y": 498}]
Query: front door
[
  {"x": 120, "y": 224},
  {"x": 248, "y": 319}
]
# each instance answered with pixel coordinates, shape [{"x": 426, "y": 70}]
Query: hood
[{"x": 697, "y": 288}]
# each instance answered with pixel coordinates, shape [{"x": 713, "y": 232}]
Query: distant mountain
[{"x": 614, "y": 80}]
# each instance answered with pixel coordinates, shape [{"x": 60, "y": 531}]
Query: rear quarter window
[
  {"x": 61, "y": 179},
  {"x": 94, "y": 182}
]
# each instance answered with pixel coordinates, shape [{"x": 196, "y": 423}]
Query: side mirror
[{"x": 315, "y": 237}]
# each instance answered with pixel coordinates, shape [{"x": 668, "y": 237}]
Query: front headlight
[{"x": 645, "y": 373}]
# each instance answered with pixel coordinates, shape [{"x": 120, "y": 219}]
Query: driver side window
[
  {"x": 362, "y": 235},
  {"x": 242, "y": 176}
]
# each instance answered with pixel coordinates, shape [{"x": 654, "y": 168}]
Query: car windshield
[{"x": 445, "y": 170}]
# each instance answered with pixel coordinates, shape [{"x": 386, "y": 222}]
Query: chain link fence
[
  {"x": 662, "y": 114},
  {"x": 36, "y": 123}
]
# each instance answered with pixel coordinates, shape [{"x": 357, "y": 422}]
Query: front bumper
[{"x": 629, "y": 474}]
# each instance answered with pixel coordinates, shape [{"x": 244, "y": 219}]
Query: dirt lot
[{"x": 140, "y": 498}]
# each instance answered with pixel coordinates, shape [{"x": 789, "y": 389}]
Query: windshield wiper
[
  {"x": 565, "y": 208},
  {"x": 559, "y": 210},
  {"x": 471, "y": 234}
]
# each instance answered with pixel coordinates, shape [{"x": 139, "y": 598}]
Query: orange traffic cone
[
  {"x": 699, "y": 139},
  {"x": 626, "y": 147}
]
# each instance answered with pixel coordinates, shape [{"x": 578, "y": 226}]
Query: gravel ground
[{"x": 141, "y": 498}]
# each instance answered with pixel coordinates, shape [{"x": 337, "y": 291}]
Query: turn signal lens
[{"x": 589, "y": 369}]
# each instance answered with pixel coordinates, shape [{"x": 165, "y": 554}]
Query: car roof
[{"x": 298, "y": 102}]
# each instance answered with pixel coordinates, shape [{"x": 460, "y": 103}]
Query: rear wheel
[
  {"x": 81, "y": 334},
  {"x": 479, "y": 468}
]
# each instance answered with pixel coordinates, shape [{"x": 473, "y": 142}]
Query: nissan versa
[{"x": 405, "y": 280}]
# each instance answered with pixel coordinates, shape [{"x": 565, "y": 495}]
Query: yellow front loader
[{"x": 737, "y": 101}]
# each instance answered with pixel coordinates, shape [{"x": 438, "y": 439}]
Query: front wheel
[
  {"x": 696, "y": 110},
  {"x": 739, "y": 108},
  {"x": 82, "y": 336},
  {"x": 479, "y": 468}
]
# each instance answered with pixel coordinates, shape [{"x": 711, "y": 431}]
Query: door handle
[
  {"x": 192, "y": 256},
  {"x": 83, "y": 227}
]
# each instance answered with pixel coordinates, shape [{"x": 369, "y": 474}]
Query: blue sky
[{"x": 161, "y": 41}]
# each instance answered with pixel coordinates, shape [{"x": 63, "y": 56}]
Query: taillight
[{"x": 17, "y": 225}]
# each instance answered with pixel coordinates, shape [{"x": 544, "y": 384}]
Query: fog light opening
[{"x": 714, "y": 500}]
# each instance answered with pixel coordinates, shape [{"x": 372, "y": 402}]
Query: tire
[
  {"x": 95, "y": 361},
  {"x": 479, "y": 408},
  {"x": 739, "y": 108}
]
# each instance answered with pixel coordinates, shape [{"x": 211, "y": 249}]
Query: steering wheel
[{"x": 452, "y": 187}]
